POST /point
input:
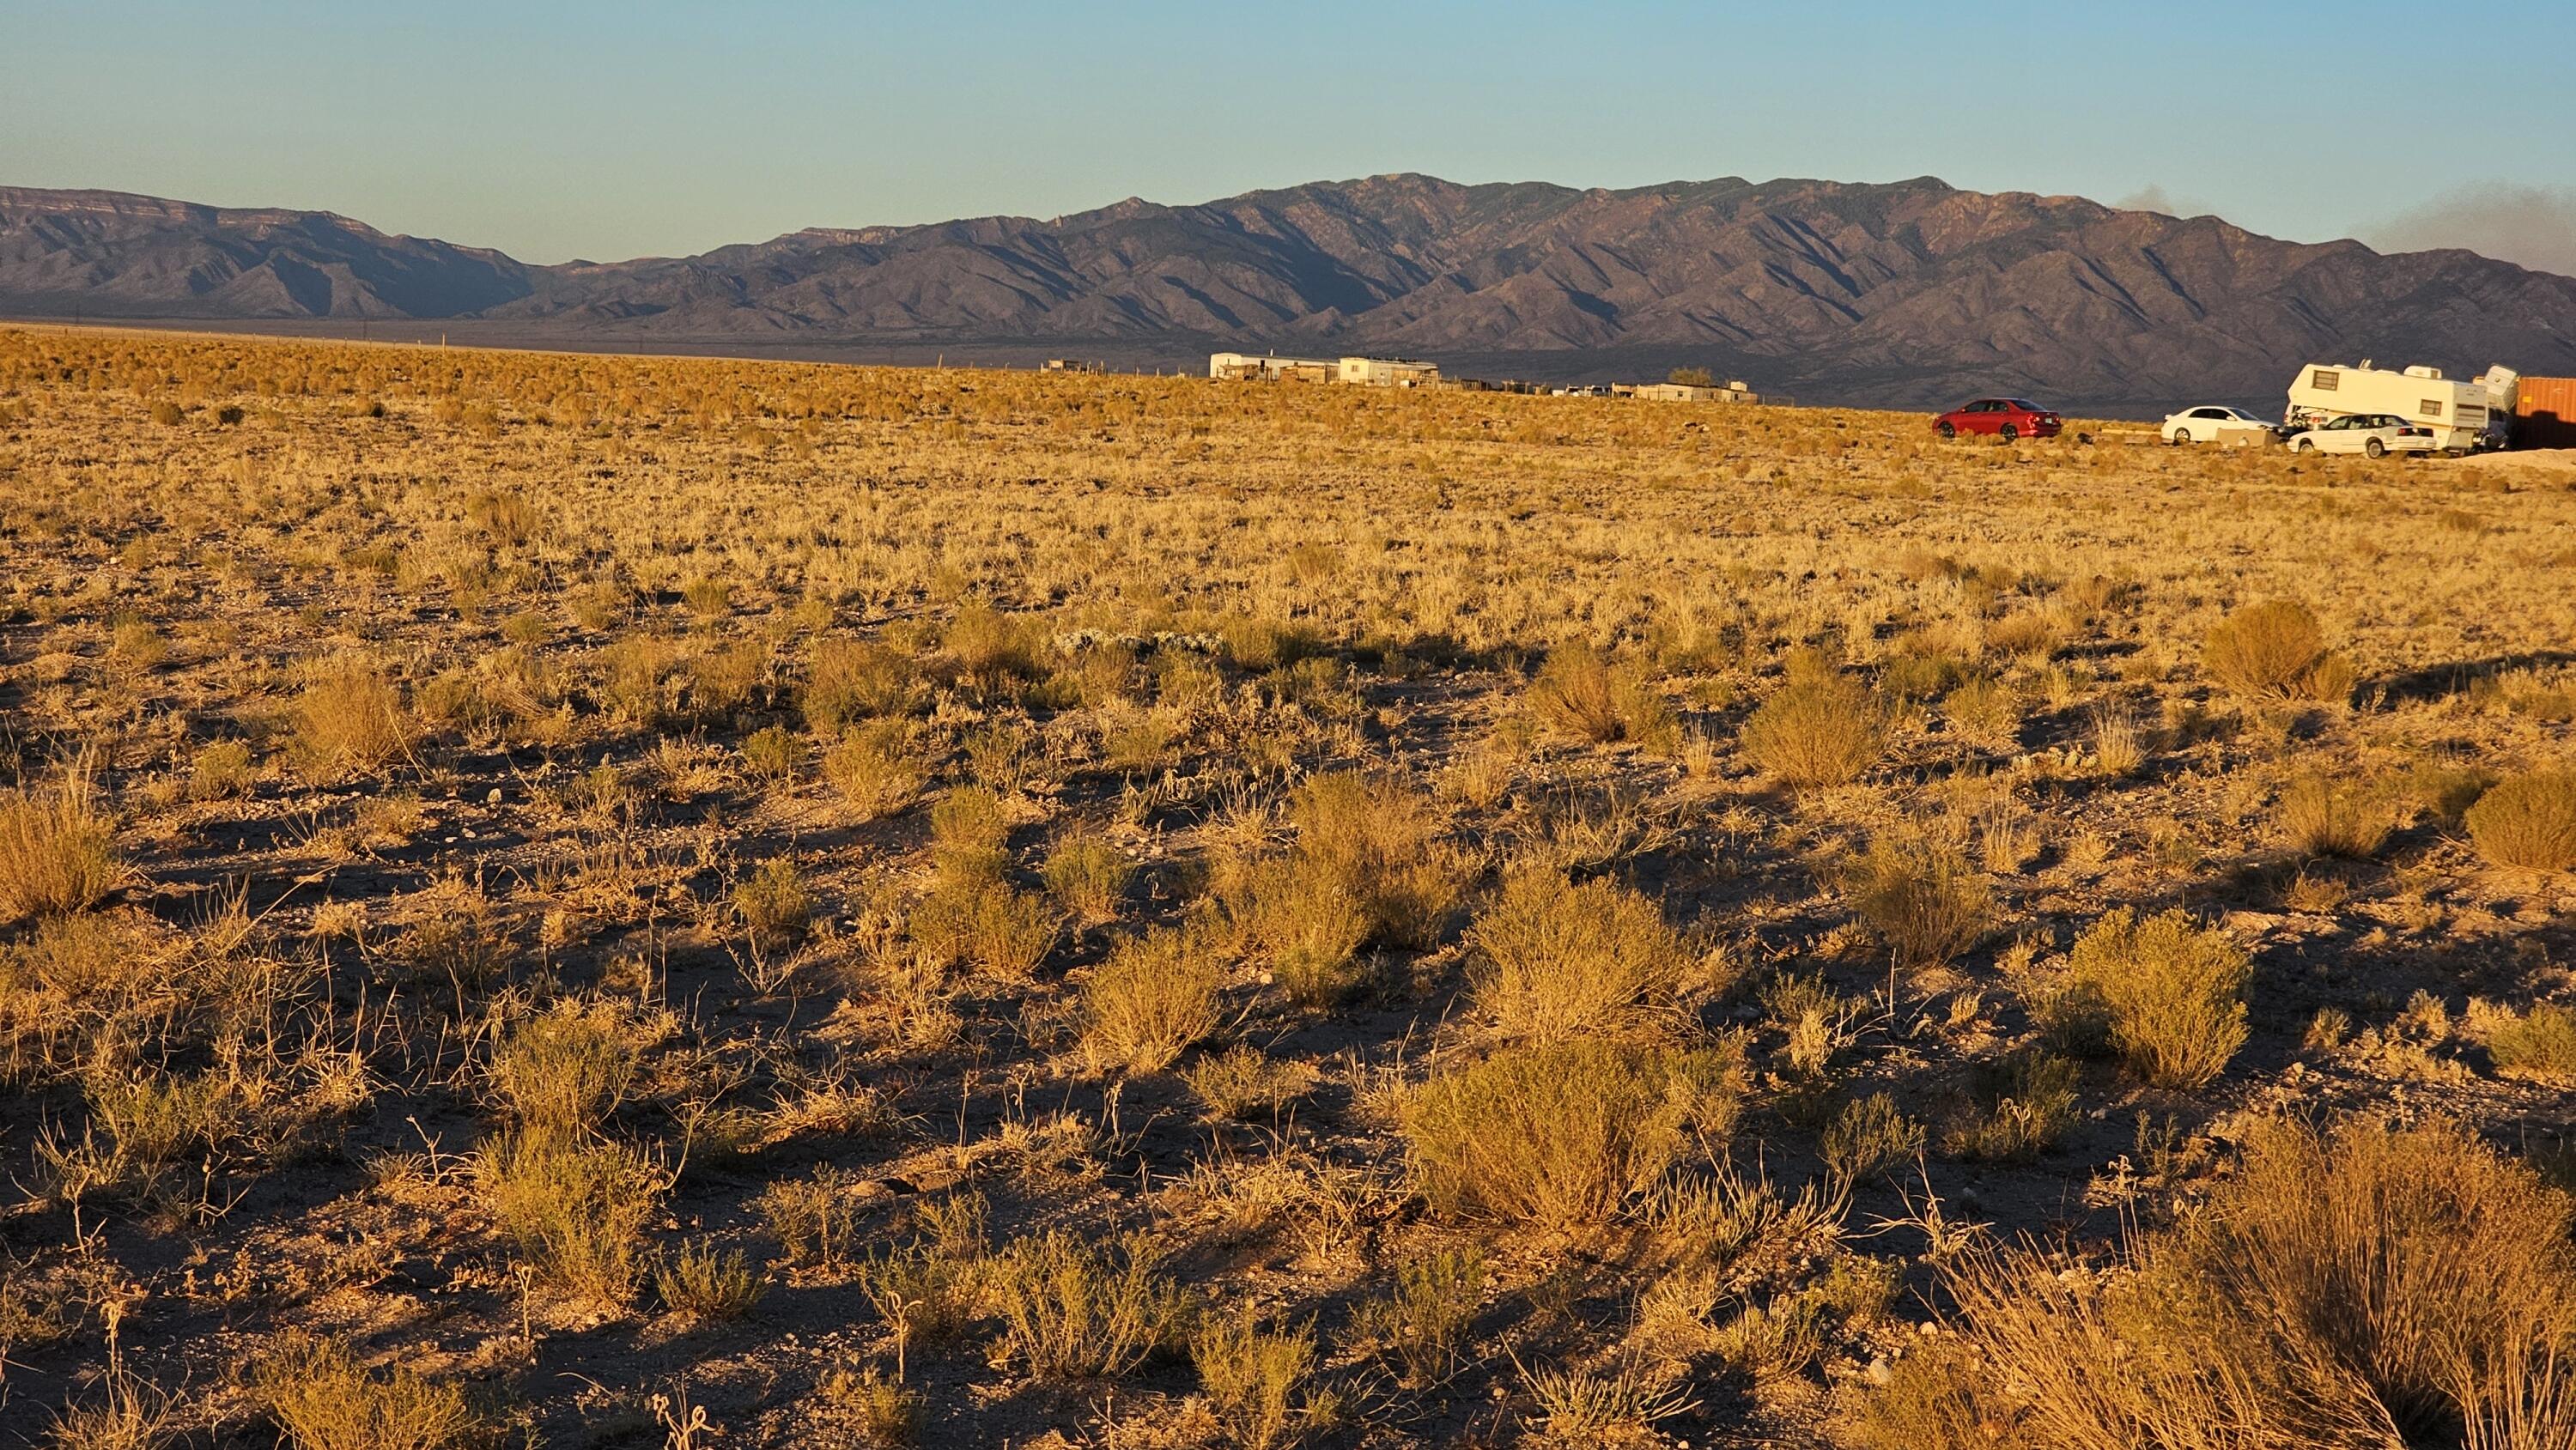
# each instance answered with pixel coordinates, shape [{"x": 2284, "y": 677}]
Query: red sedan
[{"x": 2006, "y": 418}]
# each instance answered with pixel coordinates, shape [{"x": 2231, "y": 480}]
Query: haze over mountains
[{"x": 1897, "y": 294}]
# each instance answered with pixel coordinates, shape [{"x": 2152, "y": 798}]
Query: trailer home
[{"x": 2462, "y": 414}]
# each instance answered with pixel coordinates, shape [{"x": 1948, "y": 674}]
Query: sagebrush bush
[
  {"x": 1563, "y": 1134},
  {"x": 2275, "y": 648},
  {"x": 57, "y": 848},
  {"x": 1820, "y": 729},
  {"x": 321, "y": 1398},
  {"x": 2167, "y": 991},
  {"x": 1556, "y": 959},
  {"x": 1075, "y": 1310},
  {"x": 1150, "y": 1001},
  {"x": 2527, "y": 822},
  {"x": 774, "y": 902},
  {"x": 2368, "y": 1287},
  {"x": 1921, "y": 897}
]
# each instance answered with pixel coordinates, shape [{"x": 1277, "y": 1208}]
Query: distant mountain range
[{"x": 1906, "y": 293}]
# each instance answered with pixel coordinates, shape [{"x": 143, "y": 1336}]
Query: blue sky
[{"x": 554, "y": 130}]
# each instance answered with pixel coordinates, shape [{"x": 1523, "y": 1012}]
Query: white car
[
  {"x": 2201, "y": 425},
  {"x": 2371, "y": 434}
]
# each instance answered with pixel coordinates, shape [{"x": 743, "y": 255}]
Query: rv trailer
[{"x": 2463, "y": 415}]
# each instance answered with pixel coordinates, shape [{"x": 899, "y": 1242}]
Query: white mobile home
[{"x": 2462, "y": 415}]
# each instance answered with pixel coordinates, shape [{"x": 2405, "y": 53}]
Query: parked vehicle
[
  {"x": 2370, "y": 434},
  {"x": 2202, "y": 424},
  {"x": 2005, "y": 418},
  {"x": 2461, "y": 415}
]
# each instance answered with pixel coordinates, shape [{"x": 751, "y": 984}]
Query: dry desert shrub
[
  {"x": 1562, "y": 1135},
  {"x": 707, "y": 1285},
  {"x": 1245, "y": 1083},
  {"x": 349, "y": 718},
  {"x": 562, "y": 1073},
  {"x": 1920, "y": 896},
  {"x": 2364, "y": 1287},
  {"x": 1380, "y": 842},
  {"x": 1557, "y": 959},
  {"x": 2275, "y": 648},
  {"x": 2317, "y": 816},
  {"x": 2165, "y": 993},
  {"x": 2539, "y": 1044},
  {"x": 1087, "y": 878},
  {"x": 1153, "y": 998},
  {"x": 1075, "y": 1310},
  {"x": 577, "y": 1211},
  {"x": 321, "y": 1398},
  {"x": 874, "y": 769},
  {"x": 1001, "y": 930},
  {"x": 2527, "y": 822},
  {"x": 849, "y": 680},
  {"x": 57, "y": 847},
  {"x": 1256, "y": 1379},
  {"x": 1582, "y": 695},
  {"x": 1820, "y": 729}
]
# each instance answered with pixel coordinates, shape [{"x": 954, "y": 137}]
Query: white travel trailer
[{"x": 2462, "y": 415}]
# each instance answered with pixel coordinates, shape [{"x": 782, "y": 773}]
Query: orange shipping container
[{"x": 2544, "y": 413}]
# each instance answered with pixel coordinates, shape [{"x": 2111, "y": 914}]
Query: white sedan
[
  {"x": 2371, "y": 434},
  {"x": 2201, "y": 425}
]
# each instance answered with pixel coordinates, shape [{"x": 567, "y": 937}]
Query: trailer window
[
  {"x": 2325, "y": 381},
  {"x": 2430, "y": 407}
]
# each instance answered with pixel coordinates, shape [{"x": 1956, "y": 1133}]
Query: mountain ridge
[{"x": 1896, "y": 292}]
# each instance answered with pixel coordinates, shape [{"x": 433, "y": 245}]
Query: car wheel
[
  {"x": 2180, "y": 437},
  {"x": 1946, "y": 431},
  {"x": 2374, "y": 448},
  {"x": 2008, "y": 432},
  {"x": 2307, "y": 445}
]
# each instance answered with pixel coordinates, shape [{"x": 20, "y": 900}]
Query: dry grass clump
[
  {"x": 1074, "y": 1310},
  {"x": 1557, "y": 959},
  {"x": 1563, "y": 1134},
  {"x": 2317, "y": 816},
  {"x": 1820, "y": 729},
  {"x": 1153, "y": 998},
  {"x": 349, "y": 718},
  {"x": 2368, "y": 1287},
  {"x": 321, "y": 1398},
  {"x": 2275, "y": 648},
  {"x": 563, "y": 1072},
  {"x": 1921, "y": 897},
  {"x": 1581, "y": 695},
  {"x": 2165, "y": 991},
  {"x": 2527, "y": 822},
  {"x": 57, "y": 848}
]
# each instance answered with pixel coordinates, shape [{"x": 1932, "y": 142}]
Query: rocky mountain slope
[{"x": 1903, "y": 292}]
